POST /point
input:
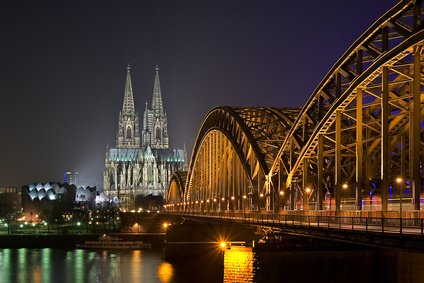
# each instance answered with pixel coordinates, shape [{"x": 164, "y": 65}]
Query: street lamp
[{"x": 400, "y": 181}]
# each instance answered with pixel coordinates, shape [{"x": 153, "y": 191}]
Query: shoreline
[{"x": 70, "y": 241}]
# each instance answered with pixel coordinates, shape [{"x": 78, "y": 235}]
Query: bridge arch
[
  {"x": 360, "y": 129},
  {"x": 175, "y": 193},
  {"x": 362, "y": 125},
  {"x": 233, "y": 151}
]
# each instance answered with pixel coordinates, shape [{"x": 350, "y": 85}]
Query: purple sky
[{"x": 63, "y": 68}]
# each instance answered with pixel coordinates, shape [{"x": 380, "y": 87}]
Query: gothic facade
[{"x": 141, "y": 164}]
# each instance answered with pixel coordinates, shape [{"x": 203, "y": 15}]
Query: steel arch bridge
[{"x": 359, "y": 132}]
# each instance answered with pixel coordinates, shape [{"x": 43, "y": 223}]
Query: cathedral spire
[
  {"x": 128, "y": 105},
  {"x": 157, "y": 106},
  {"x": 128, "y": 135}
]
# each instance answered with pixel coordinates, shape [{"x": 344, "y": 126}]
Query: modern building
[
  {"x": 142, "y": 162},
  {"x": 47, "y": 197},
  {"x": 71, "y": 177}
]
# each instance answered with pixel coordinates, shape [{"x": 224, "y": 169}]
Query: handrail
[{"x": 401, "y": 226}]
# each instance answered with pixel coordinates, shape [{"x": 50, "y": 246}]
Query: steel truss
[{"x": 360, "y": 129}]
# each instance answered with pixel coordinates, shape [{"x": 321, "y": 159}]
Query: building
[
  {"x": 142, "y": 162},
  {"x": 71, "y": 177},
  {"x": 47, "y": 198},
  {"x": 11, "y": 197}
]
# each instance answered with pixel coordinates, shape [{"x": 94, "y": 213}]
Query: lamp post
[
  {"x": 306, "y": 197},
  {"x": 400, "y": 182}
]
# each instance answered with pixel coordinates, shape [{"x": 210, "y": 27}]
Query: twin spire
[
  {"x": 128, "y": 107},
  {"x": 157, "y": 105}
]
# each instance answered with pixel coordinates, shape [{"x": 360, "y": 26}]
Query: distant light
[
  {"x": 398, "y": 180},
  {"x": 308, "y": 190},
  {"x": 281, "y": 193},
  {"x": 345, "y": 186},
  {"x": 244, "y": 196},
  {"x": 232, "y": 197},
  {"x": 261, "y": 195},
  {"x": 223, "y": 245}
]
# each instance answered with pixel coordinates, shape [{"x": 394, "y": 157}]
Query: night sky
[{"x": 63, "y": 69}]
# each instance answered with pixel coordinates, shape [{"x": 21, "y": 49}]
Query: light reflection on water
[
  {"x": 238, "y": 264},
  {"x": 60, "y": 265}
]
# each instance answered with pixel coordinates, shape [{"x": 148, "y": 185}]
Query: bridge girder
[
  {"x": 379, "y": 78},
  {"x": 360, "y": 127},
  {"x": 243, "y": 139}
]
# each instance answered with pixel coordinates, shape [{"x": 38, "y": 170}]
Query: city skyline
[{"x": 63, "y": 69}]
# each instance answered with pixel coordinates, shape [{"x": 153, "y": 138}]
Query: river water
[
  {"x": 77, "y": 265},
  {"x": 238, "y": 264}
]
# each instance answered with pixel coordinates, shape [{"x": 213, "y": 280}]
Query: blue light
[
  {"x": 407, "y": 191},
  {"x": 391, "y": 194}
]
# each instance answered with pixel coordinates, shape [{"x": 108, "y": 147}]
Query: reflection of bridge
[{"x": 337, "y": 155}]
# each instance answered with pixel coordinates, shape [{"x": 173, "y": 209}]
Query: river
[{"x": 238, "y": 264}]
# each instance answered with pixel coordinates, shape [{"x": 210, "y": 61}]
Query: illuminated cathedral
[{"x": 142, "y": 163}]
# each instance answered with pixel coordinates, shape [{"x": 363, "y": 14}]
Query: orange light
[
  {"x": 207, "y": 200},
  {"x": 223, "y": 199},
  {"x": 398, "y": 180},
  {"x": 223, "y": 245},
  {"x": 281, "y": 193},
  {"x": 214, "y": 199},
  {"x": 308, "y": 190},
  {"x": 232, "y": 197},
  {"x": 345, "y": 186},
  {"x": 245, "y": 197},
  {"x": 261, "y": 195}
]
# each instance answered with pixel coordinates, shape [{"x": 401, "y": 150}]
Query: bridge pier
[{"x": 197, "y": 238}]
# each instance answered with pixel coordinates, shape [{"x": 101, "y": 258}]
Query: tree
[
  {"x": 107, "y": 212},
  {"x": 51, "y": 213},
  {"x": 7, "y": 212}
]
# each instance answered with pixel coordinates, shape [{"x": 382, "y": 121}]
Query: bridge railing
[{"x": 351, "y": 223}]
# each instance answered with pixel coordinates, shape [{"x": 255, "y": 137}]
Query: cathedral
[{"x": 141, "y": 164}]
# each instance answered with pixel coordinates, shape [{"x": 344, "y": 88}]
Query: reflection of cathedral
[{"x": 141, "y": 165}]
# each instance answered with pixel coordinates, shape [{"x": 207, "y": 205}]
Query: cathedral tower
[
  {"x": 128, "y": 135},
  {"x": 141, "y": 165},
  {"x": 155, "y": 123}
]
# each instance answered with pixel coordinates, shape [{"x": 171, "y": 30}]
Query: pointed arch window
[
  {"x": 158, "y": 134},
  {"x": 129, "y": 134}
]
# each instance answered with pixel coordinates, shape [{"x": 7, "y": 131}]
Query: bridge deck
[{"x": 403, "y": 233}]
